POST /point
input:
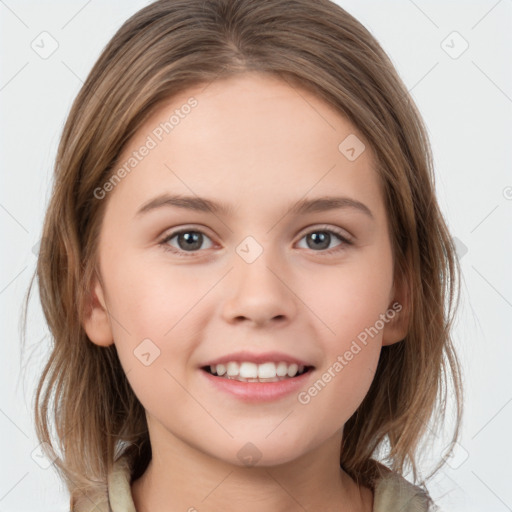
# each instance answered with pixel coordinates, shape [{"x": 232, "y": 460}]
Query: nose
[{"x": 259, "y": 292}]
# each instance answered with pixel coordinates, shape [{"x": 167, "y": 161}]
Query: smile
[
  {"x": 251, "y": 372},
  {"x": 256, "y": 389}
]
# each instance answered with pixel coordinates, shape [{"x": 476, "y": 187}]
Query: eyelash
[{"x": 321, "y": 229}]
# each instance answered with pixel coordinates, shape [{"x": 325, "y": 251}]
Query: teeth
[
  {"x": 233, "y": 369},
  {"x": 267, "y": 370},
  {"x": 253, "y": 372},
  {"x": 282, "y": 369},
  {"x": 248, "y": 370}
]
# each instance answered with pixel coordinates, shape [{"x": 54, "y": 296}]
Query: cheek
[
  {"x": 350, "y": 303},
  {"x": 151, "y": 309},
  {"x": 340, "y": 388},
  {"x": 154, "y": 320},
  {"x": 154, "y": 299},
  {"x": 342, "y": 382},
  {"x": 351, "y": 298}
]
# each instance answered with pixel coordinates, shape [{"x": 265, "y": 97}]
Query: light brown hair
[{"x": 160, "y": 51}]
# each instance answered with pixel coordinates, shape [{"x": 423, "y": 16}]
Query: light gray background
[{"x": 467, "y": 105}]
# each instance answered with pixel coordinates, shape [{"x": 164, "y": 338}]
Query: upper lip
[{"x": 264, "y": 357}]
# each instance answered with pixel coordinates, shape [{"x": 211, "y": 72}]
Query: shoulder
[
  {"x": 393, "y": 492},
  {"x": 119, "y": 488},
  {"x": 115, "y": 496}
]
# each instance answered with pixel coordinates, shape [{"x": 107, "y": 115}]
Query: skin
[{"x": 259, "y": 145}]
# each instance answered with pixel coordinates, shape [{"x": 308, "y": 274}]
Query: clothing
[{"x": 392, "y": 493}]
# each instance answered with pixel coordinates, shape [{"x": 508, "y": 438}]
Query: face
[{"x": 252, "y": 278}]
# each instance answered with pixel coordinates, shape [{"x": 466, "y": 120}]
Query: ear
[
  {"x": 97, "y": 320},
  {"x": 398, "y": 312}
]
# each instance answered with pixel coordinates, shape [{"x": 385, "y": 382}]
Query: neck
[{"x": 179, "y": 478}]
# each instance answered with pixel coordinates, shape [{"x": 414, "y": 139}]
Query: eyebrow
[{"x": 301, "y": 207}]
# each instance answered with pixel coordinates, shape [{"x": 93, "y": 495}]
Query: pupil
[{"x": 322, "y": 237}]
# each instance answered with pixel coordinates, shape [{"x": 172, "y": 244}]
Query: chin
[{"x": 263, "y": 453}]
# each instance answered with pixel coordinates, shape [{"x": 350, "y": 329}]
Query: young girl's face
[{"x": 252, "y": 275}]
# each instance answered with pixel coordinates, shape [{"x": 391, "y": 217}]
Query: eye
[
  {"x": 321, "y": 238},
  {"x": 188, "y": 240}
]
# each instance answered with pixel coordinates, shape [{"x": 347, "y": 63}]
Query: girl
[{"x": 247, "y": 277}]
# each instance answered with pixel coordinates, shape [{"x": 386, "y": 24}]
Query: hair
[{"x": 163, "y": 49}]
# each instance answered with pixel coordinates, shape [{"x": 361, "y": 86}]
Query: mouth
[{"x": 246, "y": 371}]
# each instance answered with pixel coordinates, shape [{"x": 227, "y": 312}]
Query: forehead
[{"x": 249, "y": 137}]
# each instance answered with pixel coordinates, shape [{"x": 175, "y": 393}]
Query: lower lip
[{"x": 258, "y": 391}]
